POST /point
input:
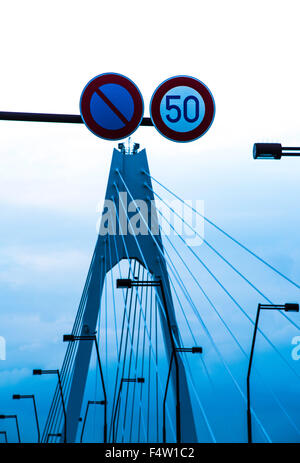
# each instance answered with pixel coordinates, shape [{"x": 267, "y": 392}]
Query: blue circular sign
[
  {"x": 182, "y": 108},
  {"x": 111, "y": 106},
  {"x": 190, "y": 105}
]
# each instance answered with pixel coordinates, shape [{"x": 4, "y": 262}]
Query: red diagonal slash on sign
[
  {"x": 112, "y": 106},
  {"x": 129, "y": 122}
]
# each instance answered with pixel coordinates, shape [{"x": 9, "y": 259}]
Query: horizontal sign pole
[{"x": 43, "y": 117}]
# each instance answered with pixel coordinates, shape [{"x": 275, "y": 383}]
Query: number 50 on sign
[{"x": 182, "y": 108}]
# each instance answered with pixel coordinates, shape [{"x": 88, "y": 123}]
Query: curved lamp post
[
  {"x": 56, "y": 372},
  {"x": 127, "y": 283},
  {"x": 3, "y": 433},
  {"x": 123, "y": 380},
  {"x": 3, "y": 417},
  {"x": 72, "y": 338},
  {"x": 90, "y": 402},
  {"x": 286, "y": 308},
  {"x": 19, "y": 396},
  {"x": 193, "y": 350}
]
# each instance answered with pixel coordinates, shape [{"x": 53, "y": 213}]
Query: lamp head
[
  {"x": 124, "y": 283},
  {"x": 291, "y": 307},
  {"x": 267, "y": 151},
  {"x": 197, "y": 350}
]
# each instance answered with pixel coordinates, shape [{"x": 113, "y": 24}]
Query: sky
[{"x": 53, "y": 177}]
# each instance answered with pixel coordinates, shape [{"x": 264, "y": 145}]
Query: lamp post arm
[
  {"x": 165, "y": 398},
  {"x": 64, "y": 408},
  {"x": 249, "y": 418},
  {"x": 178, "y": 425},
  {"x": 83, "y": 425},
  {"x": 36, "y": 419},
  {"x": 116, "y": 409},
  {"x": 18, "y": 430},
  {"x": 104, "y": 391}
]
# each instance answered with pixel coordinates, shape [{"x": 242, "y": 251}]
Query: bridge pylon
[{"x": 127, "y": 170}]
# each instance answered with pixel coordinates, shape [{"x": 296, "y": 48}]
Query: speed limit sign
[{"x": 182, "y": 108}]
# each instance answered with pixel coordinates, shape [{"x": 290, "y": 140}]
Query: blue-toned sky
[{"x": 53, "y": 178}]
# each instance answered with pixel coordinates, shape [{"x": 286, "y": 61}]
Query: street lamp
[
  {"x": 287, "y": 308},
  {"x": 17, "y": 397},
  {"x": 72, "y": 338},
  {"x": 56, "y": 372},
  {"x": 193, "y": 350},
  {"x": 5, "y": 436},
  {"x": 90, "y": 402},
  {"x": 273, "y": 151},
  {"x": 3, "y": 417},
  {"x": 123, "y": 380},
  {"x": 127, "y": 283}
]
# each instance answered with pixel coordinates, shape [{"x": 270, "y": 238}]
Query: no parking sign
[
  {"x": 111, "y": 106},
  {"x": 182, "y": 108}
]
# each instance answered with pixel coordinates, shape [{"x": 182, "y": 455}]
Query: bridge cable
[
  {"x": 235, "y": 301},
  {"x": 158, "y": 298},
  {"x": 188, "y": 297},
  {"x": 151, "y": 347},
  {"x": 236, "y": 242},
  {"x": 234, "y": 337},
  {"x": 203, "y": 325},
  {"x": 68, "y": 361},
  {"x": 227, "y": 234}
]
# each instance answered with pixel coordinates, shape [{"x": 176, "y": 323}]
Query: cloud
[
  {"x": 26, "y": 265},
  {"x": 11, "y": 377}
]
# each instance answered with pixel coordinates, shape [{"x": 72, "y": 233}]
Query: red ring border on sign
[
  {"x": 87, "y": 93},
  {"x": 160, "y": 92}
]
